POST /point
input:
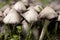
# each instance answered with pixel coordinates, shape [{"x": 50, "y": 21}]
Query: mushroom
[
  {"x": 37, "y": 8},
  {"x": 55, "y": 5},
  {"x": 26, "y": 2},
  {"x": 31, "y": 16},
  {"x": 48, "y": 13},
  {"x": 19, "y": 6},
  {"x": 12, "y": 17},
  {"x": 6, "y": 11}
]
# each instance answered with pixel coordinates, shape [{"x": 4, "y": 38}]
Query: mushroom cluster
[{"x": 23, "y": 13}]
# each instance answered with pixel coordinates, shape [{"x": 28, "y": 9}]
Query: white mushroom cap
[
  {"x": 6, "y": 11},
  {"x": 31, "y": 15},
  {"x": 25, "y": 26},
  {"x": 58, "y": 18},
  {"x": 48, "y": 13},
  {"x": 19, "y": 6},
  {"x": 12, "y": 17},
  {"x": 26, "y": 2},
  {"x": 37, "y": 8},
  {"x": 55, "y": 5}
]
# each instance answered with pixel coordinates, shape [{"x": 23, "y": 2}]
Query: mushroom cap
[
  {"x": 48, "y": 13},
  {"x": 55, "y": 5},
  {"x": 12, "y": 18},
  {"x": 19, "y": 6},
  {"x": 31, "y": 15},
  {"x": 26, "y": 2},
  {"x": 37, "y": 8},
  {"x": 6, "y": 11}
]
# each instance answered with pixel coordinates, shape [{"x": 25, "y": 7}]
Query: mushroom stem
[
  {"x": 13, "y": 27},
  {"x": 56, "y": 27},
  {"x": 7, "y": 31},
  {"x": 44, "y": 29},
  {"x": 28, "y": 36}
]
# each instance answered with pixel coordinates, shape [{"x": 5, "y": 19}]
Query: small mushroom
[
  {"x": 6, "y": 11},
  {"x": 37, "y": 8},
  {"x": 12, "y": 17},
  {"x": 19, "y": 6},
  {"x": 48, "y": 13},
  {"x": 26, "y": 2},
  {"x": 55, "y": 5},
  {"x": 31, "y": 15}
]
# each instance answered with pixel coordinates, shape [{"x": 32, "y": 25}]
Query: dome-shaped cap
[
  {"x": 31, "y": 15},
  {"x": 48, "y": 13},
  {"x": 19, "y": 6},
  {"x": 12, "y": 17}
]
